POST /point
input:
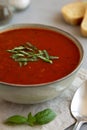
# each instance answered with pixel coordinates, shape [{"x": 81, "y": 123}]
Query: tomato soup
[{"x": 37, "y": 72}]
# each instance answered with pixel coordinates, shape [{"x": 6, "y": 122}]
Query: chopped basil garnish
[{"x": 29, "y": 53}]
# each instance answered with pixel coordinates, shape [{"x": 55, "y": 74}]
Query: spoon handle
[{"x": 78, "y": 125}]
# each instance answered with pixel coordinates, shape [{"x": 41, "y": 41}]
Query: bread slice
[
  {"x": 73, "y": 13},
  {"x": 84, "y": 25}
]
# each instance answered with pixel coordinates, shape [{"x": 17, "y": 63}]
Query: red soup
[{"x": 39, "y": 71}]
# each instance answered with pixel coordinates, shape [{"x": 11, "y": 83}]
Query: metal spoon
[
  {"x": 84, "y": 127},
  {"x": 79, "y": 106}
]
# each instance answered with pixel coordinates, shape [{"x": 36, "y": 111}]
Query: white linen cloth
[{"x": 61, "y": 105}]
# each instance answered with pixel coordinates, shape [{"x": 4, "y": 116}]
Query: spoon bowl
[{"x": 79, "y": 106}]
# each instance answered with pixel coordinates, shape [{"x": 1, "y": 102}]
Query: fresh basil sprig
[
  {"x": 29, "y": 53},
  {"x": 40, "y": 118}
]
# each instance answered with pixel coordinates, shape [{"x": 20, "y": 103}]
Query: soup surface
[{"x": 37, "y": 72}]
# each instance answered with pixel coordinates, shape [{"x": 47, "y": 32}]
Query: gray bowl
[{"x": 31, "y": 94}]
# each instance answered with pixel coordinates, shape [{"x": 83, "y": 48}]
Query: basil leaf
[
  {"x": 45, "y": 116},
  {"x": 16, "y": 119},
  {"x": 31, "y": 120}
]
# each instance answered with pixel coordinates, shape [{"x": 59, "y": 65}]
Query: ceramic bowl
[{"x": 43, "y": 92}]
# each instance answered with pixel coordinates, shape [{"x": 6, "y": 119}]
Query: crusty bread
[
  {"x": 73, "y": 13},
  {"x": 84, "y": 25}
]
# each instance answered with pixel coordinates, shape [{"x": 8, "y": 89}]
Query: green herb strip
[
  {"x": 29, "y": 53},
  {"x": 40, "y": 118}
]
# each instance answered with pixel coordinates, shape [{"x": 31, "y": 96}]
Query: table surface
[{"x": 48, "y": 12}]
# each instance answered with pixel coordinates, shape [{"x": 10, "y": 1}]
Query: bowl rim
[{"x": 52, "y": 28}]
